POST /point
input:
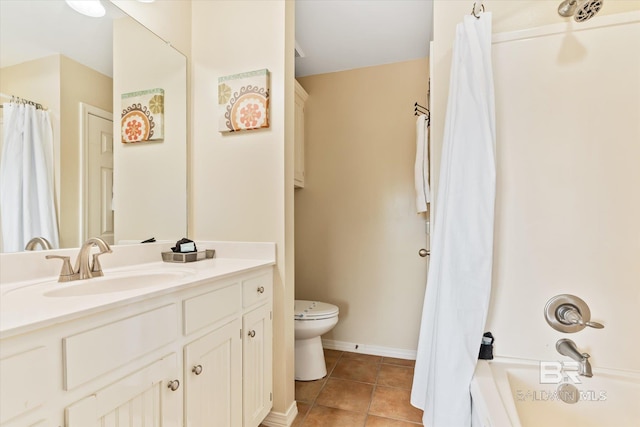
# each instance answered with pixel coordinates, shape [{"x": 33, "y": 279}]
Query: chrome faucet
[
  {"x": 566, "y": 347},
  {"x": 84, "y": 269},
  {"x": 44, "y": 243}
]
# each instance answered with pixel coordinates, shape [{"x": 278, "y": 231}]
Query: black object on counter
[
  {"x": 151, "y": 240},
  {"x": 185, "y": 245}
]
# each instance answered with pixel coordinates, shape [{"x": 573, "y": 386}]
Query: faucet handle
[
  {"x": 571, "y": 314},
  {"x": 594, "y": 325},
  {"x": 568, "y": 313},
  {"x": 66, "y": 273},
  {"x": 96, "y": 268}
]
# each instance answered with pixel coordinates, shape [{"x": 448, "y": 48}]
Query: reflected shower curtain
[
  {"x": 27, "y": 207},
  {"x": 459, "y": 279}
]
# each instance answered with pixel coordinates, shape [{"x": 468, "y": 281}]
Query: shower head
[
  {"x": 587, "y": 10},
  {"x": 581, "y": 10}
]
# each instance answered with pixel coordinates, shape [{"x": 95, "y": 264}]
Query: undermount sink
[{"x": 117, "y": 282}]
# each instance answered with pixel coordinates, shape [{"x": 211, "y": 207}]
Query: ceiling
[
  {"x": 333, "y": 35},
  {"x": 35, "y": 29},
  {"x": 338, "y": 35}
]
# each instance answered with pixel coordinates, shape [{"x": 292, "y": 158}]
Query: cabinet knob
[
  {"x": 173, "y": 385},
  {"x": 252, "y": 333},
  {"x": 424, "y": 252},
  {"x": 261, "y": 290},
  {"x": 197, "y": 369}
]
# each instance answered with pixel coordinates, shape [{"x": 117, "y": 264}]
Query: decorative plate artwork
[
  {"x": 244, "y": 100},
  {"x": 142, "y": 116}
]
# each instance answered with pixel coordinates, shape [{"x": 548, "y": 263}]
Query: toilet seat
[{"x": 314, "y": 310}]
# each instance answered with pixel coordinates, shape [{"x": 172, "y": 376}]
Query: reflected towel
[{"x": 421, "y": 171}]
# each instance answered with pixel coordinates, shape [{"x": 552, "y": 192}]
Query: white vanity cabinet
[
  {"x": 197, "y": 356},
  {"x": 298, "y": 150}
]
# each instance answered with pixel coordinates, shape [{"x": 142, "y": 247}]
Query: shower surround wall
[{"x": 567, "y": 202}]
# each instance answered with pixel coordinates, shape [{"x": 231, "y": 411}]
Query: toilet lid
[{"x": 314, "y": 310}]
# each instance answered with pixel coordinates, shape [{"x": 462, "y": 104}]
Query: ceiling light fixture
[{"x": 92, "y": 8}]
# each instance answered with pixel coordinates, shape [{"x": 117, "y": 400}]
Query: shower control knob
[{"x": 424, "y": 252}]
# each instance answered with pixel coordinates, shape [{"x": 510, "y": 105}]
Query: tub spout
[{"x": 566, "y": 347}]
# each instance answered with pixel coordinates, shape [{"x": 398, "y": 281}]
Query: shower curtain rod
[{"x": 18, "y": 100}]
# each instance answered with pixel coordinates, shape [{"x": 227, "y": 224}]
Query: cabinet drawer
[
  {"x": 27, "y": 380},
  {"x": 257, "y": 289},
  {"x": 206, "y": 309},
  {"x": 92, "y": 353}
]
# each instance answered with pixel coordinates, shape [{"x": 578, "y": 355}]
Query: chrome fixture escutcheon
[{"x": 569, "y": 313}]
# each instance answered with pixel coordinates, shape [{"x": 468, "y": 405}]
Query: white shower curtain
[
  {"x": 459, "y": 279},
  {"x": 27, "y": 207}
]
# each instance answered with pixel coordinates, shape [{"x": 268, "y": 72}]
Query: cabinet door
[
  {"x": 149, "y": 397},
  {"x": 212, "y": 373},
  {"x": 298, "y": 150},
  {"x": 256, "y": 365}
]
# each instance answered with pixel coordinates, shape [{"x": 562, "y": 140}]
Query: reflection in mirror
[
  {"x": 63, "y": 60},
  {"x": 150, "y": 184}
]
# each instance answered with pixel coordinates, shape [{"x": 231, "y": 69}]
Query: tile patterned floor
[{"x": 359, "y": 391}]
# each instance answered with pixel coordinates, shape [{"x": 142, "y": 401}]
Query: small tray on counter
[{"x": 188, "y": 256}]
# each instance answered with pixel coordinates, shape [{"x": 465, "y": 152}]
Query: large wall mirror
[{"x": 79, "y": 68}]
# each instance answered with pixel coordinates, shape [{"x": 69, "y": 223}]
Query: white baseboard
[
  {"x": 279, "y": 419},
  {"x": 398, "y": 353}
]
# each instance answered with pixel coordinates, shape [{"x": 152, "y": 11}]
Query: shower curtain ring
[{"x": 473, "y": 11}]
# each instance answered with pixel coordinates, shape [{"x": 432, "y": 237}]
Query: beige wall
[
  {"x": 567, "y": 203},
  {"x": 357, "y": 231},
  {"x": 150, "y": 178},
  {"x": 78, "y": 84},
  {"x": 242, "y": 183},
  {"x": 60, "y": 84}
]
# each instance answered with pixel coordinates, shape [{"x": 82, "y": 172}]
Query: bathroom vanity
[{"x": 147, "y": 344}]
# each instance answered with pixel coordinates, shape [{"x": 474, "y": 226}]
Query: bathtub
[{"x": 508, "y": 392}]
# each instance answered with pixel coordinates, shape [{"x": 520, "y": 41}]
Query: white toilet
[{"x": 312, "y": 319}]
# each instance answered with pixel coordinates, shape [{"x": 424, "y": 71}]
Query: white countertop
[{"x": 24, "y": 306}]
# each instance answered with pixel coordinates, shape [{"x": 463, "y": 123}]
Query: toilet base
[{"x": 309, "y": 359}]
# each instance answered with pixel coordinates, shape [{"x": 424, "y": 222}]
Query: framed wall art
[
  {"x": 244, "y": 101},
  {"x": 142, "y": 116}
]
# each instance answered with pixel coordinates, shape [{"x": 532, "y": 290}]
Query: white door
[{"x": 99, "y": 191}]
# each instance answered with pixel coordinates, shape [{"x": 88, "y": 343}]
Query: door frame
[{"x": 85, "y": 111}]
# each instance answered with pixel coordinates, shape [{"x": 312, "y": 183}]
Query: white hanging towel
[
  {"x": 27, "y": 207},
  {"x": 459, "y": 278},
  {"x": 421, "y": 170}
]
